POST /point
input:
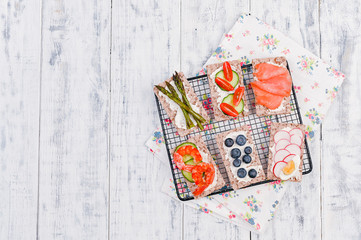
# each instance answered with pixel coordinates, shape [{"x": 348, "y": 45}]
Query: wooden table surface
[{"x": 76, "y": 107}]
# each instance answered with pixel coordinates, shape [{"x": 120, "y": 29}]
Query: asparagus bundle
[
  {"x": 181, "y": 89},
  {"x": 189, "y": 122},
  {"x": 184, "y": 105}
]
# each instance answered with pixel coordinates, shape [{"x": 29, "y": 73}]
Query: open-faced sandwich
[
  {"x": 181, "y": 104},
  {"x": 285, "y": 158},
  {"x": 272, "y": 86},
  {"x": 227, "y": 90},
  {"x": 198, "y": 167},
  {"x": 240, "y": 157}
]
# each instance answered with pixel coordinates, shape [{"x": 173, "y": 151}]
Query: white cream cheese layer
[
  {"x": 180, "y": 120},
  {"x": 246, "y": 166}
]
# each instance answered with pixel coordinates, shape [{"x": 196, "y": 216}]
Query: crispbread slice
[
  {"x": 218, "y": 114},
  {"x": 285, "y": 107},
  {"x": 202, "y": 147},
  {"x": 192, "y": 98},
  {"x": 227, "y": 161},
  {"x": 275, "y": 127}
]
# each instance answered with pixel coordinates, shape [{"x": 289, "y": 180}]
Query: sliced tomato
[
  {"x": 224, "y": 84},
  {"x": 238, "y": 94},
  {"x": 228, "y": 109},
  {"x": 227, "y": 71}
]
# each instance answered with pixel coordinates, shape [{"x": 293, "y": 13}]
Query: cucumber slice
[
  {"x": 188, "y": 175},
  {"x": 187, "y": 158},
  {"x": 185, "y": 144},
  {"x": 229, "y": 100},
  {"x": 234, "y": 81}
]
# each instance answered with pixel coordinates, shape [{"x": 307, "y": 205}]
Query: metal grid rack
[{"x": 260, "y": 127}]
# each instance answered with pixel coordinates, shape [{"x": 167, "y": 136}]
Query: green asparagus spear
[
  {"x": 189, "y": 122},
  {"x": 199, "y": 124},
  {"x": 181, "y": 89},
  {"x": 180, "y": 103}
]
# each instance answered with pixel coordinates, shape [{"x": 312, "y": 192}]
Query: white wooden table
[{"x": 76, "y": 107}]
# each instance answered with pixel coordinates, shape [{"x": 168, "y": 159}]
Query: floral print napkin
[
  {"x": 316, "y": 85},
  {"x": 155, "y": 145},
  {"x": 251, "y": 208}
]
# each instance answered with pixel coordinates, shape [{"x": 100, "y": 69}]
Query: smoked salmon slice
[
  {"x": 266, "y": 99},
  {"x": 272, "y": 85},
  {"x": 278, "y": 85},
  {"x": 268, "y": 70}
]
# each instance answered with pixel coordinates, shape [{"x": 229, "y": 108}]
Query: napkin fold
[{"x": 316, "y": 85}]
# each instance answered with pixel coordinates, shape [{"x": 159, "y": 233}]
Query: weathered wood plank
[
  {"x": 73, "y": 194},
  {"x": 341, "y": 169},
  {"x": 145, "y": 51},
  {"x": 299, "y": 211},
  {"x": 19, "y": 113},
  {"x": 203, "y": 26}
]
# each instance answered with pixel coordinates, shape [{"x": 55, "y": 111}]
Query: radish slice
[
  {"x": 294, "y": 149},
  {"x": 297, "y": 131},
  {"x": 281, "y": 144},
  {"x": 278, "y": 168},
  {"x": 281, "y": 134},
  {"x": 295, "y": 139},
  {"x": 288, "y": 158},
  {"x": 280, "y": 155}
]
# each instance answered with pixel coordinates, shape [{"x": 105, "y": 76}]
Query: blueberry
[
  {"x": 248, "y": 150},
  {"x": 229, "y": 142},
  {"x": 235, "y": 153},
  {"x": 237, "y": 162},
  {"x": 241, "y": 173},
  {"x": 247, "y": 159},
  {"x": 241, "y": 140},
  {"x": 252, "y": 173}
]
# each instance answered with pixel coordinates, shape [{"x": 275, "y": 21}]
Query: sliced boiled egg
[{"x": 291, "y": 169}]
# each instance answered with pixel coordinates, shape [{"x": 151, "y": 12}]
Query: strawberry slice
[
  {"x": 228, "y": 109},
  {"x": 224, "y": 84},
  {"x": 227, "y": 71},
  {"x": 238, "y": 94}
]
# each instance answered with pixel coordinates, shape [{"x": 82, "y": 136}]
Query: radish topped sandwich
[
  {"x": 227, "y": 90},
  {"x": 286, "y": 151},
  {"x": 198, "y": 167},
  {"x": 181, "y": 104}
]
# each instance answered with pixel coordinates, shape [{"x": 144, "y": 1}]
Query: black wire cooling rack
[{"x": 260, "y": 129}]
